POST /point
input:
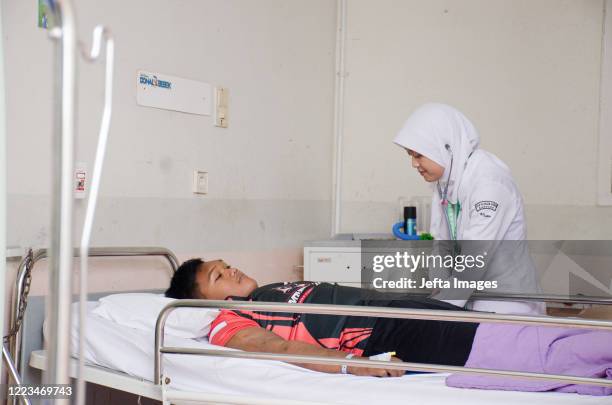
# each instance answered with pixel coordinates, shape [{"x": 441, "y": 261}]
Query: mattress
[{"x": 130, "y": 351}]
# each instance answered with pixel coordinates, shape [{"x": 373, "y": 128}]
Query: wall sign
[{"x": 159, "y": 90}]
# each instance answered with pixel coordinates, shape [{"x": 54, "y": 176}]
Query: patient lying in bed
[{"x": 423, "y": 341}]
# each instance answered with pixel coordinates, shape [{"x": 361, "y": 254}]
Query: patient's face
[{"x": 217, "y": 281}]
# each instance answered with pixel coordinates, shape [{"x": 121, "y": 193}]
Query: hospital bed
[{"x": 187, "y": 371}]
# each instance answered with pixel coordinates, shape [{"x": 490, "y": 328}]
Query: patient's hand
[{"x": 376, "y": 372}]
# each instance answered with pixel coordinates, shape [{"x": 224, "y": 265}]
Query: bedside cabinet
[{"x": 333, "y": 264}]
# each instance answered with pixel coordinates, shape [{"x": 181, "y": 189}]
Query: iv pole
[
  {"x": 60, "y": 282},
  {"x": 61, "y": 252}
]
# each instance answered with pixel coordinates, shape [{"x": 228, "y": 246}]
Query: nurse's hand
[{"x": 375, "y": 372}]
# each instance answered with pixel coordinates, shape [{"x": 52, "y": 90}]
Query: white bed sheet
[{"x": 131, "y": 351}]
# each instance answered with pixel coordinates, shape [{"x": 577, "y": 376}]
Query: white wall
[
  {"x": 269, "y": 172},
  {"x": 526, "y": 72}
]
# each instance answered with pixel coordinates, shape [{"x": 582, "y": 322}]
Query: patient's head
[{"x": 214, "y": 280}]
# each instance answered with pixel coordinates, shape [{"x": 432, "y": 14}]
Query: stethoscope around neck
[{"x": 444, "y": 194}]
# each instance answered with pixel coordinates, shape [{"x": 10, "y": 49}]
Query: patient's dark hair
[{"x": 183, "y": 284}]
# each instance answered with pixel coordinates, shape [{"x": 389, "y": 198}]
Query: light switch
[
  {"x": 221, "y": 107},
  {"x": 200, "y": 182}
]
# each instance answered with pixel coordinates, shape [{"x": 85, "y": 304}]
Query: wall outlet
[
  {"x": 200, "y": 182},
  {"x": 81, "y": 181}
]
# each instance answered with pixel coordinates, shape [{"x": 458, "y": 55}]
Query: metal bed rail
[
  {"x": 22, "y": 285},
  {"x": 579, "y": 299},
  {"x": 453, "y": 316},
  {"x": 550, "y": 298}
]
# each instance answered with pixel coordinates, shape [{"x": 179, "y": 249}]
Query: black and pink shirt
[{"x": 345, "y": 333}]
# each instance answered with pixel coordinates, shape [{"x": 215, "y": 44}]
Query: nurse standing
[{"x": 475, "y": 199}]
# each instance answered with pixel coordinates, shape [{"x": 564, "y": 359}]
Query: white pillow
[{"x": 140, "y": 311}]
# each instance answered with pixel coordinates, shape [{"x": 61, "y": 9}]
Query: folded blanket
[{"x": 538, "y": 349}]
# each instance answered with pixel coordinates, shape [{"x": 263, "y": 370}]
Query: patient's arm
[{"x": 261, "y": 340}]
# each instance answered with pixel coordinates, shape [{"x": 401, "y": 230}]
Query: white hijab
[{"x": 429, "y": 129}]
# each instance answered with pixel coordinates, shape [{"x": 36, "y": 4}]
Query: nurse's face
[{"x": 430, "y": 170}]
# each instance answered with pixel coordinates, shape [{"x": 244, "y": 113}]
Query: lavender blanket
[{"x": 585, "y": 353}]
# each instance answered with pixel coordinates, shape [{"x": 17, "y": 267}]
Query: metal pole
[
  {"x": 14, "y": 373},
  {"x": 60, "y": 291},
  {"x": 25, "y": 267},
  {"x": 556, "y": 298},
  {"x": 2, "y": 191},
  {"x": 159, "y": 342},
  {"x": 100, "y": 33},
  {"x": 298, "y": 358},
  {"x": 339, "y": 115},
  {"x": 388, "y": 312}
]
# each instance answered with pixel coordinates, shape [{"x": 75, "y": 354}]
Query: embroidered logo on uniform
[{"x": 486, "y": 207}]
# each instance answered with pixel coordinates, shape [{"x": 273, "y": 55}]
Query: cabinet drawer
[{"x": 339, "y": 267}]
